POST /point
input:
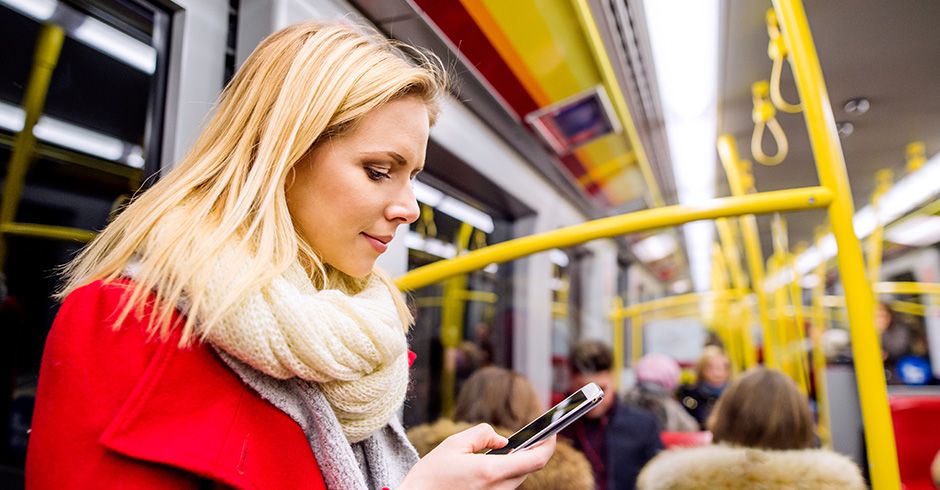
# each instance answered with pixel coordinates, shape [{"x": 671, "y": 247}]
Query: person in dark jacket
[
  {"x": 616, "y": 438},
  {"x": 712, "y": 373}
]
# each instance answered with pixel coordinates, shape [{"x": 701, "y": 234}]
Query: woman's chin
[{"x": 357, "y": 271}]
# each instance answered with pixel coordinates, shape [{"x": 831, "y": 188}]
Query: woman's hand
[{"x": 455, "y": 464}]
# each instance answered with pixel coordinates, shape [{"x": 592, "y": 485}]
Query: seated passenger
[
  {"x": 616, "y": 438},
  {"x": 712, "y": 373},
  {"x": 657, "y": 376},
  {"x": 507, "y": 401},
  {"x": 764, "y": 435}
]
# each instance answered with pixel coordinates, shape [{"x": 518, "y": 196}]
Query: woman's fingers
[
  {"x": 528, "y": 460},
  {"x": 476, "y": 439}
]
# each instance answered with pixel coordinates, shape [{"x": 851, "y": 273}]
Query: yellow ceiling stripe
[
  {"x": 504, "y": 47},
  {"x": 589, "y": 26}
]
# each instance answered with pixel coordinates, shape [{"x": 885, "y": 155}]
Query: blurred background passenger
[
  {"x": 507, "y": 401},
  {"x": 712, "y": 373},
  {"x": 899, "y": 340},
  {"x": 617, "y": 439},
  {"x": 657, "y": 377},
  {"x": 764, "y": 438},
  {"x": 935, "y": 470}
]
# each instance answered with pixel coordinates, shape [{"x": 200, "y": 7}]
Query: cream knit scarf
[{"x": 352, "y": 346}]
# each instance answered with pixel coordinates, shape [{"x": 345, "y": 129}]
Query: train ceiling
[{"x": 530, "y": 54}]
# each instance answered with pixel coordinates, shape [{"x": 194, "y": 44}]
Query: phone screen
[{"x": 576, "y": 402}]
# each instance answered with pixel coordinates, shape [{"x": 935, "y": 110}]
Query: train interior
[{"x": 738, "y": 194}]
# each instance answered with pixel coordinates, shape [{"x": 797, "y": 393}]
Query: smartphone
[{"x": 554, "y": 420}]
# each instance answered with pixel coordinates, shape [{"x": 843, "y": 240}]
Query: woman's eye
[{"x": 377, "y": 175}]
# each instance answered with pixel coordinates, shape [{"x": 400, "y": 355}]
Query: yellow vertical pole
[
  {"x": 799, "y": 324},
  {"x": 883, "y": 179},
  {"x": 741, "y": 182},
  {"x": 453, "y": 307},
  {"x": 48, "y": 47},
  {"x": 778, "y": 231},
  {"x": 781, "y": 338},
  {"x": 830, "y": 164},
  {"x": 721, "y": 321},
  {"x": 616, "y": 317},
  {"x": 636, "y": 336},
  {"x": 729, "y": 244},
  {"x": 819, "y": 357}
]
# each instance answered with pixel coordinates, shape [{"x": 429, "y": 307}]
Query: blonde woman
[
  {"x": 713, "y": 370},
  {"x": 228, "y": 328}
]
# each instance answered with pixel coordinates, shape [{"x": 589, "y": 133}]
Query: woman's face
[
  {"x": 716, "y": 371},
  {"x": 350, "y": 193}
]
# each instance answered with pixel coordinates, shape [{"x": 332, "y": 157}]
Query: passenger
[
  {"x": 712, "y": 372},
  {"x": 764, "y": 438},
  {"x": 657, "y": 377},
  {"x": 616, "y": 438},
  {"x": 935, "y": 470},
  {"x": 899, "y": 340},
  {"x": 507, "y": 401},
  {"x": 228, "y": 328}
]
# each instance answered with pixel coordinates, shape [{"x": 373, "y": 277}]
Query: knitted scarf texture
[{"x": 352, "y": 346}]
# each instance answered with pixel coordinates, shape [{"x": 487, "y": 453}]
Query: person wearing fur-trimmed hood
[{"x": 764, "y": 438}]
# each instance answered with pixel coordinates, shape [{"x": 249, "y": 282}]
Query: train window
[
  {"x": 564, "y": 318},
  {"x": 462, "y": 323},
  {"x": 87, "y": 80}
]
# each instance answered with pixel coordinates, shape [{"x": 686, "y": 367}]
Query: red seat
[
  {"x": 917, "y": 434},
  {"x": 685, "y": 439}
]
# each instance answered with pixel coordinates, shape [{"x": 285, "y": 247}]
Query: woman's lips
[{"x": 380, "y": 243}]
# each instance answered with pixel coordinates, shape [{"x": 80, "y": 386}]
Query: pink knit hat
[{"x": 658, "y": 369}]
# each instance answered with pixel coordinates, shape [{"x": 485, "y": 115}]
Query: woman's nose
[{"x": 404, "y": 208}]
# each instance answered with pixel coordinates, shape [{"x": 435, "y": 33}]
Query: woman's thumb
[{"x": 477, "y": 438}]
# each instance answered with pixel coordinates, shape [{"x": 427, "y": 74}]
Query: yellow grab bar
[
  {"x": 765, "y": 202},
  {"x": 830, "y": 164}
]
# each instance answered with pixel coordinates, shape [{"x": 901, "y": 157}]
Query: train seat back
[
  {"x": 917, "y": 435},
  {"x": 685, "y": 439}
]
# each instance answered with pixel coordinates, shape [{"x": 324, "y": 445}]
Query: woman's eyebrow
[{"x": 391, "y": 154}]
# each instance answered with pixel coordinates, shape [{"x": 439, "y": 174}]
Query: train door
[
  {"x": 465, "y": 322},
  {"x": 81, "y": 123},
  {"x": 95, "y": 98},
  {"x": 912, "y": 335}
]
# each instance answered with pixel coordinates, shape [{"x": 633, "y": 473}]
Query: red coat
[{"x": 115, "y": 409}]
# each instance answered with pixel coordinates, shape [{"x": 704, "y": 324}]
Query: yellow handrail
[
  {"x": 741, "y": 183},
  {"x": 883, "y": 179},
  {"x": 764, "y": 116},
  {"x": 47, "y": 231},
  {"x": 729, "y": 245},
  {"x": 48, "y": 47},
  {"x": 830, "y": 164},
  {"x": 819, "y": 356},
  {"x": 930, "y": 288},
  {"x": 616, "y": 319},
  {"x": 777, "y": 51},
  {"x": 765, "y": 202}
]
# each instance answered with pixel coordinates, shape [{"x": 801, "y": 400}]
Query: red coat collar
[{"x": 189, "y": 411}]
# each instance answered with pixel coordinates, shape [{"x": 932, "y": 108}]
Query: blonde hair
[
  {"x": 301, "y": 85},
  {"x": 709, "y": 353},
  {"x": 763, "y": 409}
]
